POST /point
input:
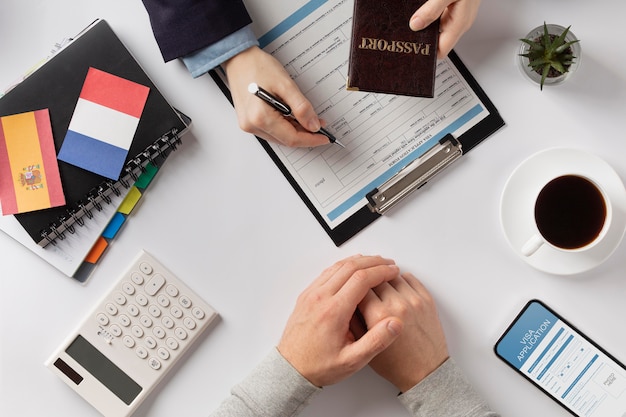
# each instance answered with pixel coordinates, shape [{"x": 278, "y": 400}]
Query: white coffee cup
[{"x": 572, "y": 213}]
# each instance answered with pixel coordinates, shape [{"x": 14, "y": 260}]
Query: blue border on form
[
  {"x": 289, "y": 22},
  {"x": 352, "y": 201}
]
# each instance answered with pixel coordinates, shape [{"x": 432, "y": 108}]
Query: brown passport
[{"x": 386, "y": 56}]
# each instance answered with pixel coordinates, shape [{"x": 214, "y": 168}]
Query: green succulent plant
[{"x": 549, "y": 55}]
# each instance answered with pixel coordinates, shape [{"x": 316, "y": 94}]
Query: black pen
[{"x": 285, "y": 109}]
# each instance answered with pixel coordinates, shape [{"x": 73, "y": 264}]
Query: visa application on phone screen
[{"x": 564, "y": 363}]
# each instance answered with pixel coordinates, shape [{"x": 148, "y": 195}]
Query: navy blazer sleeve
[{"x": 185, "y": 26}]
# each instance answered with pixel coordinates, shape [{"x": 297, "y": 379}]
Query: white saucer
[{"x": 517, "y": 208}]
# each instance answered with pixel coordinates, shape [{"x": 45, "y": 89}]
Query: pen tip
[
  {"x": 253, "y": 88},
  {"x": 340, "y": 144}
]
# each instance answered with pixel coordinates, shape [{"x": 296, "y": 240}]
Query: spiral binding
[{"x": 100, "y": 195}]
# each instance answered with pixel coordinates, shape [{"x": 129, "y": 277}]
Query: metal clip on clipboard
[{"x": 416, "y": 174}]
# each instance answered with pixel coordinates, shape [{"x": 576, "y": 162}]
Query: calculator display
[{"x": 103, "y": 370}]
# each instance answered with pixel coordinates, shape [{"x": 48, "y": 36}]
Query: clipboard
[
  {"x": 412, "y": 177},
  {"x": 443, "y": 150}
]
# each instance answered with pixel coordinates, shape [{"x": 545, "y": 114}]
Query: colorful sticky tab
[
  {"x": 29, "y": 172},
  {"x": 147, "y": 176},
  {"x": 97, "y": 250},
  {"x": 114, "y": 226},
  {"x": 104, "y": 123},
  {"x": 130, "y": 201}
]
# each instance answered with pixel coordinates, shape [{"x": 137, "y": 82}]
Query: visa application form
[{"x": 382, "y": 133}]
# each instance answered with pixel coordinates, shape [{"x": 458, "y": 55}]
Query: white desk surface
[{"x": 238, "y": 234}]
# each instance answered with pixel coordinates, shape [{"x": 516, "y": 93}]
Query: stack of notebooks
[{"x": 74, "y": 234}]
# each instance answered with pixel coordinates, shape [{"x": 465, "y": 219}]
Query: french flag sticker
[{"x": 104, "y": 123}]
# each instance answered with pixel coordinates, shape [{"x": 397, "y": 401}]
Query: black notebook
[{"x": 56, "y": 86}]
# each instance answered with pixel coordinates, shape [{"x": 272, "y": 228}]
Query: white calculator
[{"x": 133, "y": 337}]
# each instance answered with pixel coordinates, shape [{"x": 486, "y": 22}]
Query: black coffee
[{"x": 570, "y": 212}]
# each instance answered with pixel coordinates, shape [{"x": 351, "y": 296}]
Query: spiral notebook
[{"x": 64, "y": 235}]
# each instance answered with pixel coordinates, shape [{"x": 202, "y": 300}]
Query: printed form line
[
  {"x": 546, "y": 350},
  {"x": 556, "y": 356},
  {"x": 583, "y": 372}
]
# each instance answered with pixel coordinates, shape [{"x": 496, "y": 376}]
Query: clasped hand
[{"x": 396, "y": 329}]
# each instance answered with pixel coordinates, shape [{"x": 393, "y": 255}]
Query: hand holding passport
[
  {"x": 386, "y": 56},
  {"x": 457, "y": 17},
  {"x": 395, "y": 46}
]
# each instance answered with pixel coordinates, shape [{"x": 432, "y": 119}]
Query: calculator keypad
[{"x": 151, "y": 316}]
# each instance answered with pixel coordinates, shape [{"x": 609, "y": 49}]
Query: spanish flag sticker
[{"x": 29, "y": 172}]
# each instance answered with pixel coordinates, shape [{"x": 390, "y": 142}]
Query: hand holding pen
[
  {"x": 257, "y": 117},
  {"x": 284, "y": 109}
]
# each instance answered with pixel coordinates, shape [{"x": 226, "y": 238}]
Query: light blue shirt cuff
[{"x": 204, "y": 60}]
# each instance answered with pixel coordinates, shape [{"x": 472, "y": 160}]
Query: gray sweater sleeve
[
  {"x": 445, "y": 392},
  {"x": 274, "y": 388}
]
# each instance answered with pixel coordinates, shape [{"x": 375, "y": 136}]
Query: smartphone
[{"x": 564, "y": 363}]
